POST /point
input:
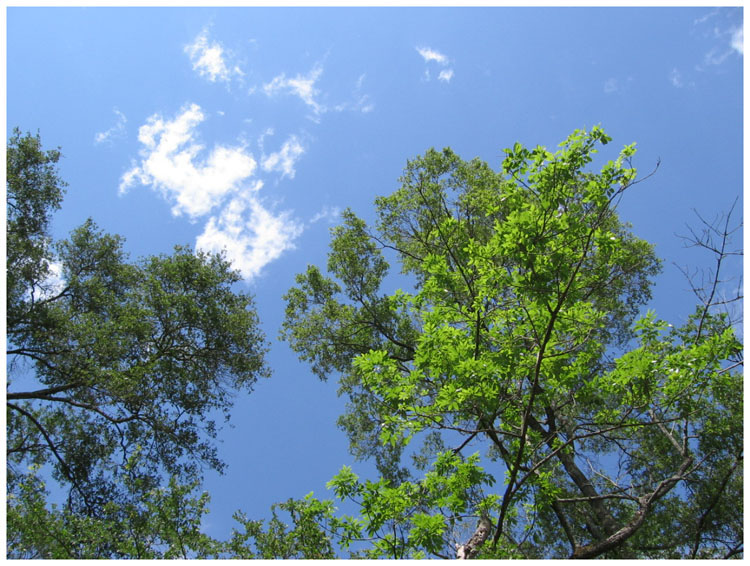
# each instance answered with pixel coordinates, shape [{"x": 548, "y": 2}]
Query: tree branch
[
  {"x": 474, "y": 544},
  {"x": 63, "y": 464},
  {"x": 42, "y": 393},
  {"x": 709, "y": 508},
  {"x": 645, "y": 503}
]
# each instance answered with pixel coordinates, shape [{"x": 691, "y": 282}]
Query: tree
[
  {"x": 117, "y": 369},
  {"x": 603, "y": 433},
  {"x": 517, "y": 404}
]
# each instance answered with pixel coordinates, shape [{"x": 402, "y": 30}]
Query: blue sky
[{"x": 250, "y": 129}]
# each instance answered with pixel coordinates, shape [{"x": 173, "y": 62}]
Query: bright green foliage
[
  {"x": 308, "y": 538},
  {"x": 411, "y": 519},
  {"x": 527, "y": 287},
  {"x": 162, "y": 522},
  {"x": 110, "y": 358}
]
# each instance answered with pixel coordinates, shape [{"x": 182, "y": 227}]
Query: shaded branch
[
  {"x": 42, "y": 393},
  {"x": 710, "y": 507},
  {"x": 645, "y": 503},
  {"x": 63, "y": 464}
]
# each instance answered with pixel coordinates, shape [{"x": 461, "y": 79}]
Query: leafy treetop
[{"x": 527, "y": 287}]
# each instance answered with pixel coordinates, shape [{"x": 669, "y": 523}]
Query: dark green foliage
[
  {"x": 33, "y": 191},
  {"x": 143, "y": 523},
  {"x": 109, "y": 358}
]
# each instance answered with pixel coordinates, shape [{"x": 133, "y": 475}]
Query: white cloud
[
  {"x": 715, "y": 56},
  {"x": 115, "y": 131},
  {"x": 218, "y": 184},
  {"x": 170, "y": 163},
  {"x": 618, "y": 85},
  {"x": 53, "y": 284},
  {"x": 208, "y": 59},
  {"x": 329, "y": 213},
  {"x": 284, "y": 159},
  {"x": 364, "y": 105},
  {"x": 301, "y": 86},
  {"x": 704, "y": 19},
  {"x": 726, "y": 36},
  {"x": 675, "y": 78},
  {"x": 737, "y": 41},
  {"x": 445, "y": 75},
  {"x": 249, "y": 234},
  {"x": 432, "y": 55},
  {"x": 678, "y": 80},
  {"x": 360, "y": 102}
]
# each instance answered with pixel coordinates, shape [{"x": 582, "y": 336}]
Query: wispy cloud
[
  {"x": 678, "y": 80},
  {"x": 716, "y": 56},
  {"x": 262, "y": 138},
  {"x": 725, "y": 30},
  {"x": 302, "y": 86},
  {"x": 328, "y": 213},
  {"x": 170, "y": 162},
  {"x": 433, "y": 56},
  {"x": 737, "y": 41},
  {"x": 116, "y": 131},
  {"x": 703, "y": 19},
  {"x": 220, "y": 184},
  {"x": 610, "y": 86},
  {"x": 675, "y": 77},
  {"x": 360, "y": 102},
  {"x": 208, "y": 59},
  {"x": 617, "y": 84},
  {"x": 249, "y": 234},
  {"x": 283, "y": 160},
  {"x": 445, "y": 75}
]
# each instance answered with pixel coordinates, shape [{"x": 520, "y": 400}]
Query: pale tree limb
[{"x": 471, "y": 548}]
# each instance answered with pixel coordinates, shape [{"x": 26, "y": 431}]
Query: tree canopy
[
  {"x": 518, "y": 402},
  {"x": 117, "y": 369},
  {"x": 519, "y": 375}
]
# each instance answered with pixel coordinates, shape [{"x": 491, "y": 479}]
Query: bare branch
[
  {"x": 474, "y": 544},
  {"x": 42, "y": 393},
  {"x": 715, "y": 237}
]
